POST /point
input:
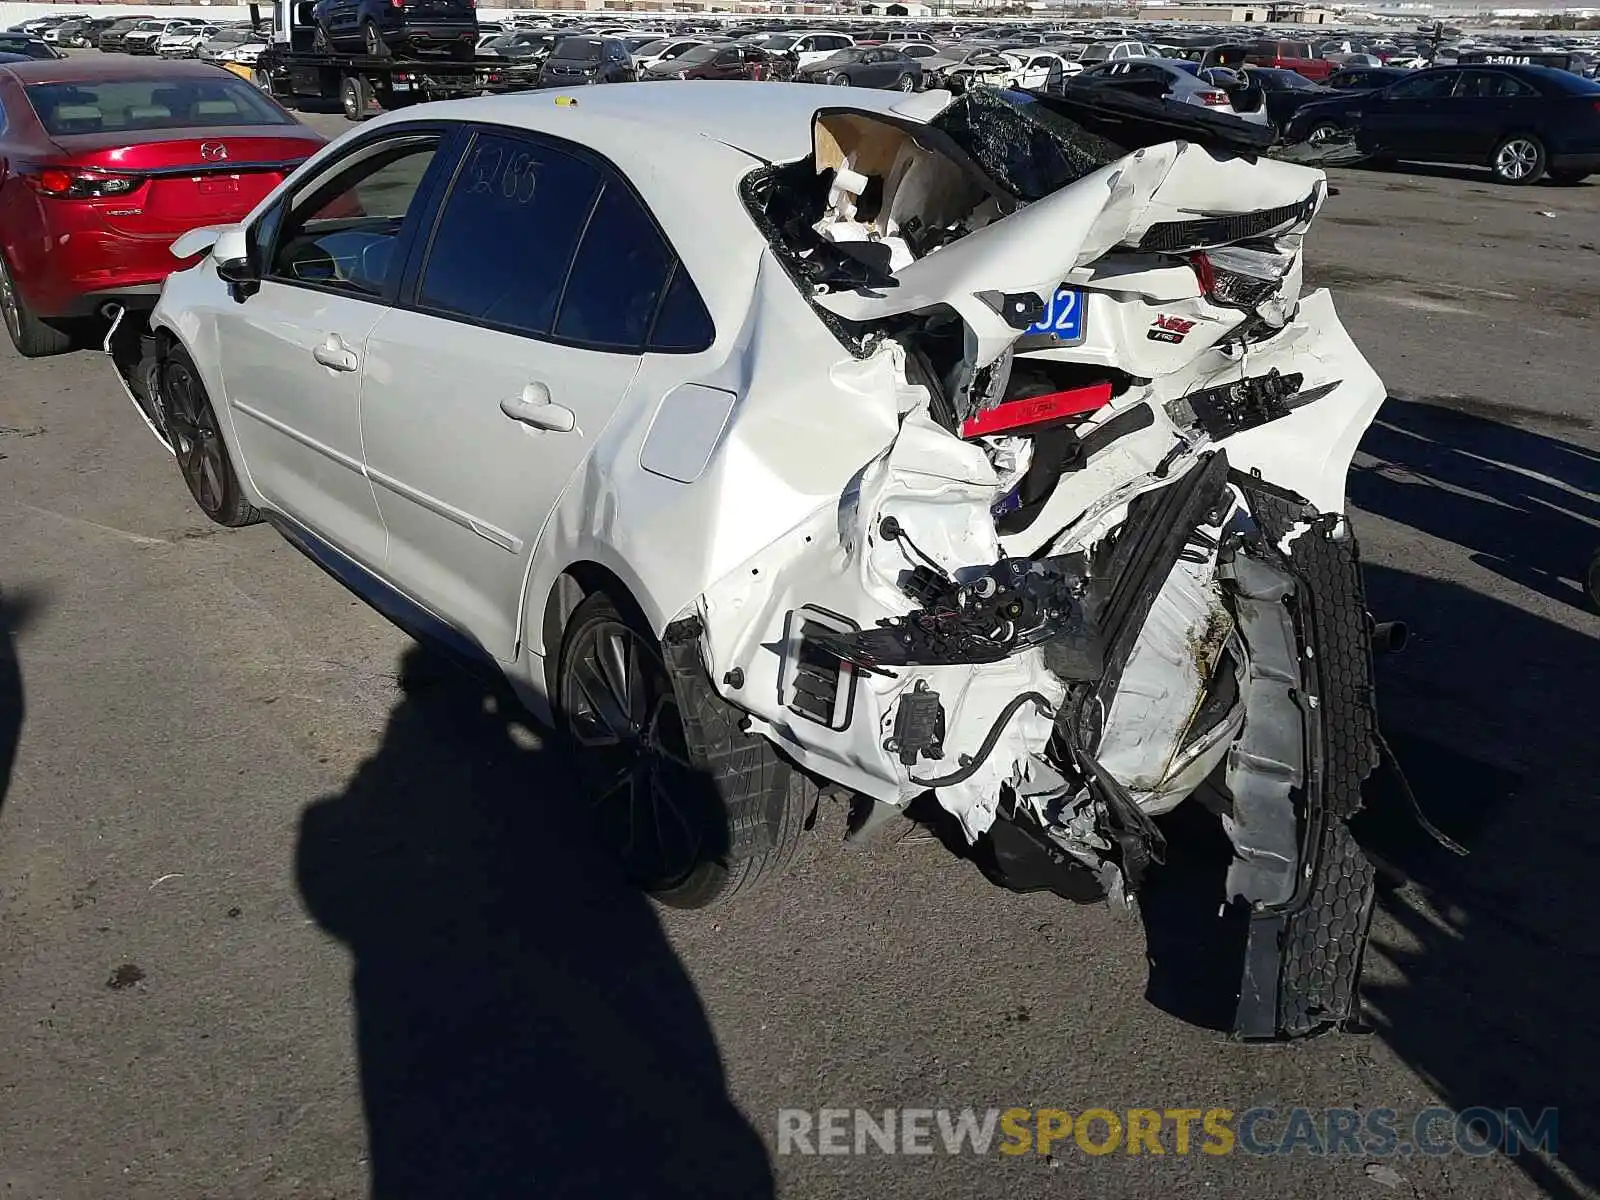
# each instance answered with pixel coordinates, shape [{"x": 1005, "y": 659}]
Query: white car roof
[{"x": 635, "y": 123}]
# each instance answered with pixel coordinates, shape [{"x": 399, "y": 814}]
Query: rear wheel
[
  {"x": 673, "y": 785},
  {"x": 1568, "y": 178},
  {"x": 197, "y": 443},
  {"x": 372, "y": 41},
  {"x": 31, "y": 336},
  {"x": 1518, "y": 160},
  {"x": 907, "y": 83},
  {"x": 838, "y": 80},
  {"x": 355, "y": 96}
]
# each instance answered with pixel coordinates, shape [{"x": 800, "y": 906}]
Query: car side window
[
  {"x": 533, "y": 201},
  {"x": 343, "y": 233},
  {"x": 1491, "y": 85},
  {"x": 1427, "y": 87},
  {"x": 618, "y": 276}
]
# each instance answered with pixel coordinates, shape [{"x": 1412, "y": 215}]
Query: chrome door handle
[
  {"x": 534, "y": 407},
  {"x": 335, "y": 355}
]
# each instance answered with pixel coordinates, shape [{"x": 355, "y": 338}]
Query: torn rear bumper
[{"x": 1310, "y": 886}]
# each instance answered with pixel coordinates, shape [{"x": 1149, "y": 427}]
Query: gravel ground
[{"x": 288, "y": 908}]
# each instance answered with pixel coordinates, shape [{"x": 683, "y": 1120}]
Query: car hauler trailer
[{"x": 291, "y": 69}]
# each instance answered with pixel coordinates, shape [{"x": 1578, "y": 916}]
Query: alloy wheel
[
  {"x": 10, "y": 305},
  {"x": 196, "y": 440},
  {"x": 1322, "y": 133},
  {"x": 621, "y": 711},
  {"x": 1517, "y": 159}
]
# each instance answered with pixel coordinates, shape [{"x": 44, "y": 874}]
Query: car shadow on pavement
[
  {"x": 1483, "y": 970},
  {"x": 1524, "y": 505},
  {"x": 17, "y": 608},
  {"x": 523, "y": 1026}
]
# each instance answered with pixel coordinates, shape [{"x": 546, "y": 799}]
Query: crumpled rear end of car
[{"x": 1098, "y": 566}]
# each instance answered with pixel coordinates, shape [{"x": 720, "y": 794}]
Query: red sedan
[{"x": 104, "y": 162}]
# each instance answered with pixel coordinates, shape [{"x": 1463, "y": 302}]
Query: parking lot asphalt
[{"x": 288, "y": 908}]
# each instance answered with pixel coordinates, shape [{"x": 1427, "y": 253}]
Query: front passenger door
[
  {"x": 329, "y": 259},
  {"x": 1404, "y": 120}
]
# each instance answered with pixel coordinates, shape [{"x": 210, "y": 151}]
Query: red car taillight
[
  {"x": 69, "y": 183},
  {"x": 1238, "y": 277},
  {"x": 1213, "y": 99}
]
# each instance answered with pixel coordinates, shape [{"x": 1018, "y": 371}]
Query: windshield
[
  {"x": 136, "y": 104},
  {"x": 577, "y": 49}
]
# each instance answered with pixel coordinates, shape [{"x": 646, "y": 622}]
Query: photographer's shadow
[{"x": 524, "y": 1028}]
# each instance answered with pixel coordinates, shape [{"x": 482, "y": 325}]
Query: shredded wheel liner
[{"x": 1303, "y": 958}]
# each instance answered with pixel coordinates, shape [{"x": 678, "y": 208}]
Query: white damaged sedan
[{"x": 775, "y": 440}]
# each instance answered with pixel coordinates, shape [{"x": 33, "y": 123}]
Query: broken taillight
[
  {"x": 1240, "y": 276},
  {"x": 1014, "y": 415}
]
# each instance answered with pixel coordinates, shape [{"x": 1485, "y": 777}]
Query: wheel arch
[{"x": 576, "y": 583}]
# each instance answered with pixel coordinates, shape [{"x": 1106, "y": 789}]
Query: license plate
[
  {"x": 1064, "y": 317},
  {"x": 218, "y": 187},
  {"x": 400, "y": 87}
]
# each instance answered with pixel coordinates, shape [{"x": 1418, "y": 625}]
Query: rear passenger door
[
  {"x": 1487, "y": 104},
  {"x": 522, "y": 323}
]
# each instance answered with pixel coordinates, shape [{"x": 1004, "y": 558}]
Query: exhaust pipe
[{"x": 1388, "y": 637}]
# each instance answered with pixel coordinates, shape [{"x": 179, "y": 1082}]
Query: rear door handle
[
  {"x": 335, "y": 355},
  {"x": 534, "y": 407}
]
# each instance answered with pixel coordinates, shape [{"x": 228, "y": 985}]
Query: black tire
[
  {"x": 838, "y": 79},
  {"x": 1324, "y": 131},
  {"x": 355, "y": 97},
  {"x": 676, "y": 788},
  {"x": 197, "y": 443},
  {"x": 31, "y": 336},
  {"x": 1518, "y": 160},
  {"x": 1568, "y": 178},
  {"x": 907, "y": 83},
  {"x": 372, "y": 41}
]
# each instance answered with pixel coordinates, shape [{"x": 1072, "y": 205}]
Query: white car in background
[
  {"x": 145, "y": 36},
  {"x": 664, "y": 50},
  {"x": 806, "y": 48},
  {"x": 185, "y": 42},
  {"x": 795, "y": 438}
]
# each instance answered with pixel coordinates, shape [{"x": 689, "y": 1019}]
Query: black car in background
[
  {"x": 1522, "y": 122},
  {"x": 379, "y": 28},
  {"x": 28, "y": 46},
  {"x": 1284, "y": 92},
  {"x": 865, "y": 66},
  {"x": 577, "y": 61},
  {"x": 113, "y": 35}
]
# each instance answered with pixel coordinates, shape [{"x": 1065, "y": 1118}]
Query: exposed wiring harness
[{"x": 969, "y": 766}]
